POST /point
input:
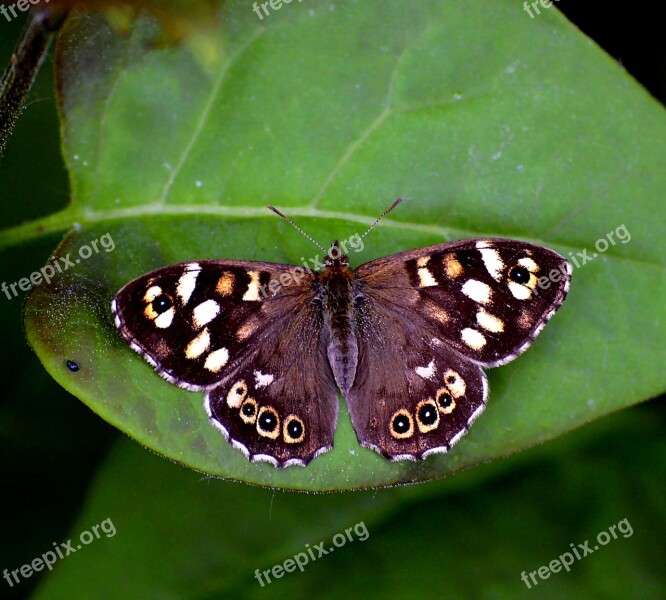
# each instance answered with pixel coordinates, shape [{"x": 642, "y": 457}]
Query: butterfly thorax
[{"x": 336, "y": 295}]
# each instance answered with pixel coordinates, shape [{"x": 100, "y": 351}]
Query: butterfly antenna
[
  {"x": 380, "y": 217},
  {"x": 296, "y": 227}
]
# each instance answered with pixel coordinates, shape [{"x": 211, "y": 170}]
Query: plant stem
[{"x": 24, "y": 65}]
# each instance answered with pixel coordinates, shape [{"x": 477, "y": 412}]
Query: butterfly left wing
[
  {"x": 249, "y": 335},
  {"x": 428, "y": 321}
]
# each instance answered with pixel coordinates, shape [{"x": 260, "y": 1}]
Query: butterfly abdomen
[{"x": 342, "y": 349}]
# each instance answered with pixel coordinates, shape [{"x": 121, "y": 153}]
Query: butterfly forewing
[{"x": 483, "y": 298}]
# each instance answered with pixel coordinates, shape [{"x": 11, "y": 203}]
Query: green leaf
[
  {"x": 214, "y": 535},
  {"x": 488, "y": 122}
]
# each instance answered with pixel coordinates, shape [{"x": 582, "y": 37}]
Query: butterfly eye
[
  {"x": 294, "y": 430},
  {"x": 402, "y": 425},
  {"x": 268, "y": 422},
  {"x": 162, "y": 303}
]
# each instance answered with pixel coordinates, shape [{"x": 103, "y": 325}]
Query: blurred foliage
[{"x": 181, "y": 535}]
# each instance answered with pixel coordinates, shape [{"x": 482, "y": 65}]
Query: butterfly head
[{"x": 335, "y": 257}]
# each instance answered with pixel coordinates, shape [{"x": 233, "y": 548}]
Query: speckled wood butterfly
[{"x": 405, "y": 338}]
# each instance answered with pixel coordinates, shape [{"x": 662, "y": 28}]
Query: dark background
[{"x": 50, "y": 443}]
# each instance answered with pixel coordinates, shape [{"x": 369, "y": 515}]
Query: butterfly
[{"x": 405, "y": 338}]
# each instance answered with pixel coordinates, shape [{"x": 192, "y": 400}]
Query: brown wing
[
  {"x": 428, "y": 320},
  {"x": 248, "y": 334}
]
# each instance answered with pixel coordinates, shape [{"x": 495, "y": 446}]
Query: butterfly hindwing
[
  {"x": 412, "y": 396},
  {"x": 281, "y": 404}
]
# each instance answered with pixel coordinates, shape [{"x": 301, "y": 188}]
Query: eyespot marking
[
  {"x": 427, "y": 415},
  {"x": 401, "y": 425},
  {"x": 445, "y": 401},
  {"x": 455, "y": 383},
  {"x": 268, "y": 422},
  {"x": 248, "y": 411},
  {"x": 293, "y": 430},
  {"x": 237, "y": 394}
]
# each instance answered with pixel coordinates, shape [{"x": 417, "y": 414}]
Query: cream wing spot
[
  {"x": 529, "y": 264},
  {"x": 198, "y": 345},
  {"x": 225, "y": 284},
  {"x": 493, "y": 263},
  {"x": 426, "y": 372},
  {"x": 188, "y": 282},
  {"x": 519, "y": 292},
  {"x": 252, "y": 292},
  {"x": 452, "y": 266},
  {"x": 262, "y": 380},
  {"x": 489, "y": 322},
  {"x": 455, "y": 383},
  {"x": 205, "y": 313},
  {"x": 152, "y": 292},
  {"x": 216, "y": 360},
  {"x": 165, "y": 319},
  {"x": 425, "y": 278},
  {"x": 473, "y": 338},
  {"x": 246, "y": 330},
  {"x": 477, "y": 291}
]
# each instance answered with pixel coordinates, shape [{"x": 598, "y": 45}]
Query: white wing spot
[
  {"x": 520, "y": 292},
  {"x": 473, "y": 338},
  {"x": 165, "y": 319},
  {"x": 152, "y": 293},
  {"x": 205, "y": 313},
  {"x": 252, "y": 293},
  {"x": 187, "y": 282},
  {"x": 425, "y": 278},
  {"x": 198, "y": 345},
  {"x": 477, "y": 291},
  {"x": 426, "y": 372},
  {"x": 216, "y": 360},
  {"x": 493, "y": 262},
  {"x": 489, "y": 322},
  {"x": 262, "y": 380}
]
